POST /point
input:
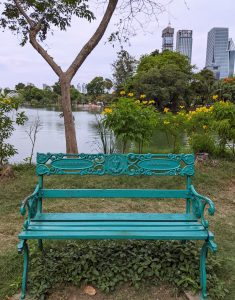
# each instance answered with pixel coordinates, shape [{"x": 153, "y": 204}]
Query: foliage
[
  {"x": 98, "y": 86},
  {"x": 225, "y": 89},
  {"x": 131, "y": 121},
  {"x": 202, "y": 142},
  {"x": 202, "y": 86},
  {"x": 224, "y": 124},
  {"x": 109, "y": 264},
  {"x": 48, "y": 14},
  {"x": 7, "y": 107},
  {"x": 106, "y": 136},
  {"x": 174, "y": 126},
  {"x": 164, "y": 59},
  {"x": 123, "y": 69},
  {"x": 165, "y": 78}
]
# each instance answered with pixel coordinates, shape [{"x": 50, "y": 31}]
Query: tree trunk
[{"x": 69, "y": 126}]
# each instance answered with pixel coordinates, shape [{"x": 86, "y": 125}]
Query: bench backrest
[{"x": 115, "y": 164}]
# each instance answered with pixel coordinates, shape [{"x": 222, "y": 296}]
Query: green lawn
[{"x": 215, "y": 180}]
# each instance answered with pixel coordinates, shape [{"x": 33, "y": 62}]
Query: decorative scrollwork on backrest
[{"x": 115, "y": 164}]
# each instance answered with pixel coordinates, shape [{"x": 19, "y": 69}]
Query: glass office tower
[
  {"x": 231, "y": 56},
  {"x": 168, "y": 38},
  {"x": 184, "y": 42},
  {"x": 217, "y": 50}
]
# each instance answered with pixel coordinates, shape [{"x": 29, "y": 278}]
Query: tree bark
[{"x": 69, "y": 126}]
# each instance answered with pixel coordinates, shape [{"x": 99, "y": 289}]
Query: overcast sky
[{"x": 23, "y": 64}]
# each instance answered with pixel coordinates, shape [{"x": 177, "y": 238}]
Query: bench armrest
[
  {"x": 31, "y": 203},
  {"x": 199, "y": 203}
]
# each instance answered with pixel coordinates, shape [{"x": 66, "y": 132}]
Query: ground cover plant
[{"x": 215, "y": 180}]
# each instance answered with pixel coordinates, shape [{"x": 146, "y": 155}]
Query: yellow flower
[
  {"x": 122, "y": 93},
  {"x": 142, "y": 96},
  {"x": 151, "y": 101},
  {"x": 130, "y": 94},
  {"x": 205, "y": 126},
  {"x": 145, "y": 102},
  {"x": 108, "y": 111},
  {"x": 181, "y": 106},
  {"x": 166, "y": 122},
  {"x": 215, "y": 97},
  {"x": 166, "y": 110},
  {"x": 137, "y": 101}
]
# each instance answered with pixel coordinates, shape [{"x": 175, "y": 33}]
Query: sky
[{"x": 24, "y": 64}]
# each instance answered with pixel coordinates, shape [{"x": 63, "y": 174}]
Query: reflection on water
[{"x": 51, "y": 136}]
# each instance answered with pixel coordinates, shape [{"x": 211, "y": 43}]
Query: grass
[{"x": 216, "y": 180}]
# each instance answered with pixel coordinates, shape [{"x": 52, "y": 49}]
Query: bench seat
[{"x": 115, "y": 226}]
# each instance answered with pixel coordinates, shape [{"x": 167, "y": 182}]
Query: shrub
[
  {"x": 109, "y": 264},
  {"x": 7, "y": 106},
  {"x": 202, "y": 142},
  {"x": 131, "y": 121}
]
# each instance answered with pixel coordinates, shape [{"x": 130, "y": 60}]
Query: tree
[
  {"x": 19, "y": 86},
  {"x": 123, "y": 68},
  {"x": 34, "y": 19},
  {"x": 202, "y": 85},
  {"x": 165, "y": 78},
  {"x": 96, "y": 86}
]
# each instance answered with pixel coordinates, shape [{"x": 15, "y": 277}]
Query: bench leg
[
  {"x": 40, "y": 245},
  {"x": 203, "y": 255},
  {"x": 23, "y": 247}
]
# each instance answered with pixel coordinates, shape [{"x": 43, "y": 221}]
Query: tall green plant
[
  {"x": 131, "y": 121},
  {"x": 224, "y": 124},
  {"x": 7, "y": 107}
]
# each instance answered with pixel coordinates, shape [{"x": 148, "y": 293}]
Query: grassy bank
[{"x": 216, "y": 180}]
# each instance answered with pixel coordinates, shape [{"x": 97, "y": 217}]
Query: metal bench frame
[{"x": 191, "y": 225}]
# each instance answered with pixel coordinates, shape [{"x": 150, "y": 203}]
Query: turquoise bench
[{"x": 190, "y": 225}]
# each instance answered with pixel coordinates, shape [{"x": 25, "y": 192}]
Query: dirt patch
[{"x": 123, "y": 293}]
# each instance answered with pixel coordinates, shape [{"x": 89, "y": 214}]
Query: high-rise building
[
  {"x": 84, "y": 89},
  {"x": 220, "y": 51},
  {"x": 184, "y": 42},
  {"x": 231, "y": 57},
  {"x": 79, "y": 87},
  {"x": 168, "y": 38}
]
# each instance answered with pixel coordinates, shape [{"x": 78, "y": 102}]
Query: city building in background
[
  {"x": 184, "y": 42},
  {"x": 84, "y": 89},
  {"x": 220, "y": 52},
  {"x": 168, "y": 38},
  {"x": 79, "y": 88},
  {"x": 231, "y": 56}
]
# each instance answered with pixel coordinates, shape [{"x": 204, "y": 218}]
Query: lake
[{"x": 51, "y": 137}]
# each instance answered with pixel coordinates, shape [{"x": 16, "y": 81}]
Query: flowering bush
[{"x": 131, "y": 121}]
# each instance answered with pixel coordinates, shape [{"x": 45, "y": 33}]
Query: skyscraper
[
  {"x": 220, "y": 51},
  {"x": 231, "y": 57},
  {"x": 184, "y": 42},
  {"x": 168, "y": 38}
]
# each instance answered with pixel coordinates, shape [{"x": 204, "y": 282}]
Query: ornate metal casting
[{"x": 115, "y": 164}]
